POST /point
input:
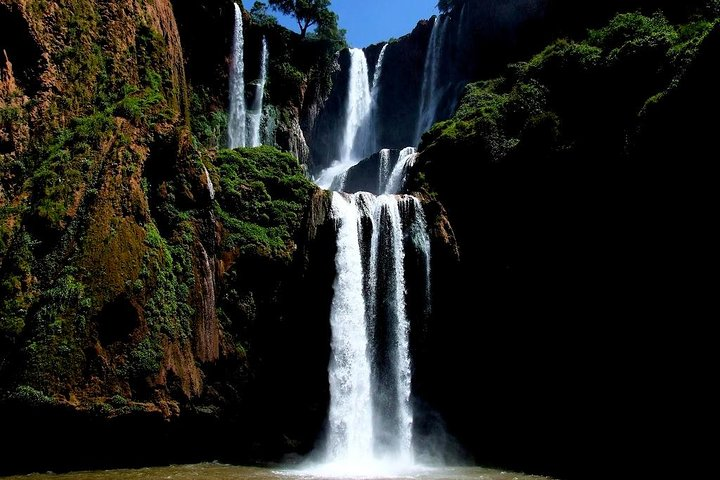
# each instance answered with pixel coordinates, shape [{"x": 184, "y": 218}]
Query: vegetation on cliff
[
  {"x": 299, "y": 72},
  {"x": 575, "y": 98},
  {"x": 569, "y": 181},
  {"x": 261, "y": 200},
  {"x": 108, "y": 228}
]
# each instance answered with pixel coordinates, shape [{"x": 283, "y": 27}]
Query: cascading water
[
  {"x": 371, "y": 417},
  {"x": 396, "y": 181},
  {"x": 236, "y": 117},
  {"x": 421, "y": 241},
  {"x": 353, "y": 144},
  {"x": 255, "y": 114},
  {"x": 378, "y": 73},
  {"x": 350, "y": 417},
  {"x": 359, "y": 105},
  {"x": 387, "y": 218},
  {"x": 374, "y": 93},
  {"x": 210, "y": 186},
  {"x": 431, "y": 93},
  {"x": 384, "y": 170}
]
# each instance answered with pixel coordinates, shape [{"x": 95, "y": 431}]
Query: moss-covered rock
[
  {"x": 95, "y": 298},
  {"x": 262, "y": 196}
]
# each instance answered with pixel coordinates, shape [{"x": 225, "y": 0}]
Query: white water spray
[
  {"x": 396, "y": 182},
  {"x": 376, "y": 77},
  {"x": 384, "y": 169},
  {"x": 359, "y": 104},
  {"x": 350, "y": 436},
  {"x": 358, "y": 109},
  {"x": 388, "y": 208}
]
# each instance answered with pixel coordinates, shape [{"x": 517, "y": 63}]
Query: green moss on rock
[{"x": 262, "y": 195}]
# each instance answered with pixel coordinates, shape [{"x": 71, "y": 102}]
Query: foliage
[
  {"x": 260, "y": 16},
  {"x": 64, "y": 166},
  {"x": 55, "y": 355},
  {"x": 10, "y": 114},
  {"x": 261, "y": 199},
  {"x": 208, "y": 124},
  {"x": 16, "y": 285},
  {"x": 30, "y": 396},
  {"x": 572, "y": 96},
  {"x": 309, "y": 13},
  {"x": 329, "y": 31}
]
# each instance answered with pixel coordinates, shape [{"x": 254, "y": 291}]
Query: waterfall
[
  {"x": 421, "y": 241},
  {"x": 210, "y": 186},
  {"x": 384, "y": 170},
  {"x": 350, "y": 417},
  {"x": 207, "y": 340},
  {"x": 396, "y": 182},
  {"x": 378, "y": 73},
  {"x": 431, "y": 92},
  {"x": 374, "y": 92},
  {"x": 389, "y": 224},
  {"x": 255, "y": 114},
  {"x": 358, "y": 106},
  {"x": 338, "y": 182},
  {"x": 236, "y": 118},
  {"x": 461, "y": 23},
  {"x": 370, "y": 418},
  {"x": 370, "y": 376},
  {"x": 355, "y": 139}
]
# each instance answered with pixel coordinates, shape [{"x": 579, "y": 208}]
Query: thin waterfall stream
[
  {"x": 238, "y": 110},
  {"x": 254, "y": 119}
]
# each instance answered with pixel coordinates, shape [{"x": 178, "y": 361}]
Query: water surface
[{"x": 212, "y": 471}]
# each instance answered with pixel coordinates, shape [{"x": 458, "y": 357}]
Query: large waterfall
[
  {"x": 371, "y": 417},
  {"x": 350, "y": 417},
  {"x": 236, "y": 118},
  {"x": 359, "y": 106},
  {"x": 356, "y": 132},
  {"x": 255, "y": 114},
  {"x": 381, "y": 241}
]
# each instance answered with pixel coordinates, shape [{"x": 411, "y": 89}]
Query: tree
[
  {"x": 327, "y": 29},
  {"x": 260, "y": 15},
  {"x": 447, "y": 5},
  {"x": 306, "y": 12}
]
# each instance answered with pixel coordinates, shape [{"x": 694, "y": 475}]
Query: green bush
[
  {"x": 633, "y": 28},
  {"x": 30, "y": 396},
  {"x": 261, "y": 198}
]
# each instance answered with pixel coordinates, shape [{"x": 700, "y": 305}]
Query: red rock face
[{"x": 104, "y": 83}]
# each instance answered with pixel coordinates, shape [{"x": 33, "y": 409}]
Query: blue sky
[{"x": 372, "y": 21}]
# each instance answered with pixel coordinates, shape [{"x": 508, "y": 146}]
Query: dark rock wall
[{"x": 568, "y": 219}]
